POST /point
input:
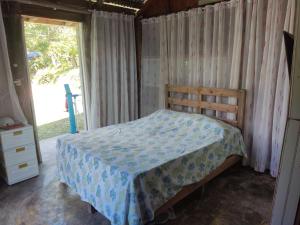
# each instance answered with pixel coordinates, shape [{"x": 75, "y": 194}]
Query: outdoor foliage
[{"x": 57, "y": 50}]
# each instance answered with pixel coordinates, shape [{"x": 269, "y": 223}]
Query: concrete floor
[{"x": 238, "y": 197}]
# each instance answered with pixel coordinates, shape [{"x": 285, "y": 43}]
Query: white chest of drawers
[{"x": 18, "y": 159}]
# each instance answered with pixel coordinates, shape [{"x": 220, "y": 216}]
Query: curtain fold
[
  {"x": 235, "y": 44},
  {"x": 152, "y": 55},
  {"x": 9, "y": 101},
  {"x": 84, "y": 36},
  {"x": 113, "y": 82}
]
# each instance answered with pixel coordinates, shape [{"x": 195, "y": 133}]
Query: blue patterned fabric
[{"x": 127, "y": 171}]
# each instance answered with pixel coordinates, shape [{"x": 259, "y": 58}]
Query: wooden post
[{"x": 240, "y": 115}]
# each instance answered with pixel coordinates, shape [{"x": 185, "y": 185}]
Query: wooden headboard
[{"x": 201, "y": 104}]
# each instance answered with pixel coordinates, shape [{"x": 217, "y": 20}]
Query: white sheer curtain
[
  {"x": 113, "y": 84},
  {"x": 273, "y": 89},
  {"x": 236, "y": 44},
  {"x": 150, "y": 81},
  {"x": 9, "y": 102}
]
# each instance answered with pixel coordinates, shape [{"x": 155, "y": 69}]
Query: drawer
[
  {"x": 17, "y": 137},
  {"x": 21, "y": 171},
  {"x": 19, "y": 154}
]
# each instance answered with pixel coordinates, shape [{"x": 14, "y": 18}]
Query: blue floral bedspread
[{"x": 127, "y": 171}]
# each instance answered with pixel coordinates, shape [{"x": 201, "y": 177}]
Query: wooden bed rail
[
  {"x": 187, "y": 190},
  {"x": 199, "y": 103}
]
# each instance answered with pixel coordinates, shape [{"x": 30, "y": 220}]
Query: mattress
[{"x": 129, "y": 170}]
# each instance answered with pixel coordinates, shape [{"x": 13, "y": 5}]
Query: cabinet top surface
[{"x": 15, "y": 129}]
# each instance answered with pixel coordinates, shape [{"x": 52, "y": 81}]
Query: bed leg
[
  {"x": 63, "y": 185},
  {"x": 91, "y": 209},
  {"x": 165, "y": 216}
]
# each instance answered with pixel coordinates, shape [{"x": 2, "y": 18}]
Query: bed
[{"x": 130, "y": 172}]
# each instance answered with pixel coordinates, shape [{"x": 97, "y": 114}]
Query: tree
[{"x": 57, "y": 47}]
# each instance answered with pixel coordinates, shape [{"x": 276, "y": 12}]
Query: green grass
[{"x": 58, "y": 127}]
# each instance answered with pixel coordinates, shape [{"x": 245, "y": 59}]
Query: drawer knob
[
  {"x": 21, "y": 149},
  {"x": 22, "y": 166},
  {"x": 19, "y": 132}
]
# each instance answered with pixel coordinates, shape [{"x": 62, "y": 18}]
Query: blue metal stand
[{"x": 69, "y": 96}]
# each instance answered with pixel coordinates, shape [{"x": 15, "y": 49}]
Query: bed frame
[{"x": 200, "y": 104}]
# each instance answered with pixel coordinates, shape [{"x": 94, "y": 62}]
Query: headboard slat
[
  {"x": 183, "y": 102},
  {"x": 200, "y": 104},
  {"x": 221, "y": 92},
  {"x": 219, "y": 107}
]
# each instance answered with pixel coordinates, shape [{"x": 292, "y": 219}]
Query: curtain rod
[{"x": 53, "y": 6}]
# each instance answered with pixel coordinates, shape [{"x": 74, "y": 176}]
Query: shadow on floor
[{"x": 237, "y": 197}]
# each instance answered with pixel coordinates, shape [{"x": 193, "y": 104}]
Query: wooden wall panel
[
  {"x": 155, "y": 8},
  {"x": 179, "y": 5}
]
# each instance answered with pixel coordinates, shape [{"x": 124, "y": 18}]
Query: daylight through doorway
[{"x": 53, "y": 61}]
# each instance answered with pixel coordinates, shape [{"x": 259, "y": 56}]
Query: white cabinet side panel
[{"x": 285, "y": 172}]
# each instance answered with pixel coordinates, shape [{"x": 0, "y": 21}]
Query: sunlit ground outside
[{"x": 49, "y": 103}]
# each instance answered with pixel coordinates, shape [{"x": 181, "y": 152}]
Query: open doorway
[{"x": 53, "y": 61}]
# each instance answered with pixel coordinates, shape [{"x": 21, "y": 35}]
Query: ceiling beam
[
  {"x": 42, "y": 20},
  {"x": 80, "y": 7},
  {"x": 132, "y": 4},
  {"x": 52, "y": 5}
]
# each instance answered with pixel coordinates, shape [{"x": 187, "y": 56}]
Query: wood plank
[
  {"x": 231, "y": 122},
  {"x": 42, "y": 20},
  {"x": 133, "y": 4},
  {"x": 218, "y": 107},
  {"x": 39, "y": 11},
  {"x": 50, "y": 4},
  {"x": 183, "y": 102},
  {"x": 187, "y": 190},
  {"x": 221, "y": 92}
]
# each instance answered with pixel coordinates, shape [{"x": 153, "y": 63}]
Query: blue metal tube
[{"x": 73, "y": 128}]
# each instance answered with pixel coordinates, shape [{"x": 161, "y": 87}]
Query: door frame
[{"x": 14, "y": 23}]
